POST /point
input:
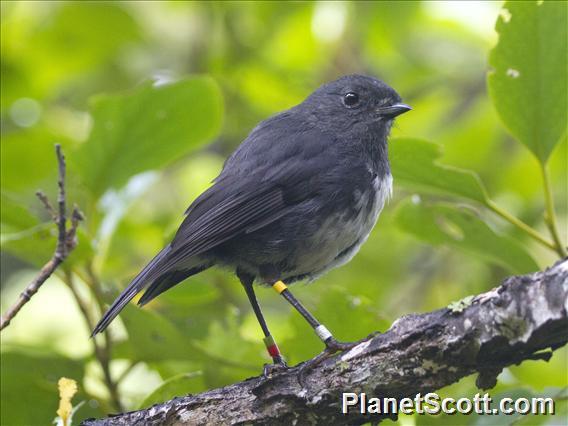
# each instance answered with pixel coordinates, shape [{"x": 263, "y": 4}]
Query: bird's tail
[{"x": 138, "y": 283}]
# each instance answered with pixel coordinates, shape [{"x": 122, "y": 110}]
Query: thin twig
[
  {"x": 97, "y": 289},
  {"x": 550, "y": 216},
  {"x": 47, "y": 205},
  {"x": 81, "y": 303},
  {"x": 103, "y": 356},
  {"x": 127, "y": 370},
  {"x": 521, "y": 225},
  {"x": 65, "y": 242},
  {"x": 62, "y": 210},
  {"x": 102, "y": 351}
]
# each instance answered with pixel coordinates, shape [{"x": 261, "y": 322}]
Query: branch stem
[
  {"x": 102, "y": 349},
  {"x": 550, "y": 216},
  {"x": 62, "y": 210},
  {"x": 127, "y": 370},
  {"x": 418, "y": 354},
  {"x": 533, "y": 233},
  {"x": 65, "y": 241},
  {"x": 30, "y": 290}
]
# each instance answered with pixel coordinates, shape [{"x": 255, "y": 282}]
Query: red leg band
[
  {"x": 273, "y": 351},
  {"x": 271, "y": 346}
]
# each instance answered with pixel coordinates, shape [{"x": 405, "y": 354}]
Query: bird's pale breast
[{"x": 341, "y": 236}]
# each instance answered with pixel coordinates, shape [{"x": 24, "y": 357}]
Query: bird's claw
[
  {"x": 370, "y": 336},
  {"x": 277, "y": 366},
  {"x": 332, "y": 346}
]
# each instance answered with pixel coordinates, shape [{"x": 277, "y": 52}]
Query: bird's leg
[
  {"x": 271, "y": 346},
  {"x": 331, "y": 344}
]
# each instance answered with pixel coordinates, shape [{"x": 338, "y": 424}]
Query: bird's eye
[{"x": 351, "y": 99}]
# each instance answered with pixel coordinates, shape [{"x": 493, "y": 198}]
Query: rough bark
[{"x": 524, "y": 318}]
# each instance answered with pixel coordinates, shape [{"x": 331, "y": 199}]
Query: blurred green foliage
[
  {"x": 148, "y": 98},
  {"x": 125, "y": 129}
]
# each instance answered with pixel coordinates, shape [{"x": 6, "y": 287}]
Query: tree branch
[
  {"x": 523, "y": 319},
  {"x": 66, "y": 241}
]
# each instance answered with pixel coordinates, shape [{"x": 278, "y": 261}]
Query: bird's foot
[
  {"x": 332, "y": 346},
  {"x": 369, "y": 336},
  {"x": 278, "y": 365}
]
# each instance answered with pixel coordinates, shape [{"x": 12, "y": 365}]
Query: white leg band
[{"x": 322, "y": 332}]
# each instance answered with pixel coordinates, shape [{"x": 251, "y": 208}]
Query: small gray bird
[{"x": 297, "y": 198}]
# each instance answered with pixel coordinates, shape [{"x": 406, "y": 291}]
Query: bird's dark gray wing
[
  {"x": 278, "y": 166},
  {"x": 234, "y": 205},
  {"x": 233, "y": 215},
  {"x": 224, "y": 217},
  {"x": 137, "y": 284}
]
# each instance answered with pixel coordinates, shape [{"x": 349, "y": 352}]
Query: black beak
[{"x": 393, "y": 111}]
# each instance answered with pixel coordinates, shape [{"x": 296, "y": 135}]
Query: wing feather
[
  {"x": 225, "y": 222},
  {"x": 237, "y": 203}
]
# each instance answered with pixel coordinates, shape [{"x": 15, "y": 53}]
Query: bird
[{"x": 297, "y": 198}]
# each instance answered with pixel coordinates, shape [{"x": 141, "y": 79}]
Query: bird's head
[{"x": 355, "y": 101}]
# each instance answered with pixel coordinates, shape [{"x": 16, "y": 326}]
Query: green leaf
[
  {"x": 23, "y": 234},
  {"x": 460, "y": 227},
  {"x": 33, "y": 377},
  {"x": 413, "y": 163},
  {"x": 28, "y": 160},
  {"x": 73, "y": 44},
  {"x": 528, "y": 80},
  {"x": 225, "y": 337},
  {"x": 151, "y": 337},
  {"x": 147, "y": 129},
  {"x": 27, "y": 237},
  {"x": 552, "y": 373},
  {"x": 179, "y": 385}
]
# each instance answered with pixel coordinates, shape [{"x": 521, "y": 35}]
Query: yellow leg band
[{"x": 279, "y": 286}]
